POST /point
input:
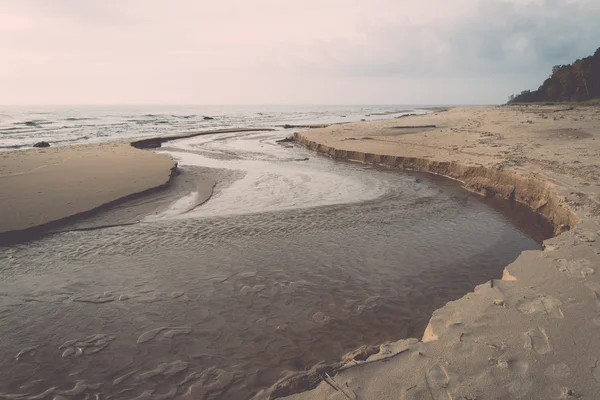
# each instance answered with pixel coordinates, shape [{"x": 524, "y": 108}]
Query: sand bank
[
  {"x": 535, "y": 334},
  {"x": 149, "y": 143},
  {"x": 50, "y": 189},
  {"x": 43, "y": 186}
]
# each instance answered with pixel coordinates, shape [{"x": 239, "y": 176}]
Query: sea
[{"x": 22, "y": 126}]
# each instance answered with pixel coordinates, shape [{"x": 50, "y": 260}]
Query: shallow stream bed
[{"x": 294, "y": 260}]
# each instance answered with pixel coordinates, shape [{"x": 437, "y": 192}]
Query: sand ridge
[
  {"x": 533, "y": 335},
  {"x": 40, "y": 186}
]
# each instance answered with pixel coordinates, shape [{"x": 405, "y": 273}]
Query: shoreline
[
  {"x": 47, "y": 189},
  {"x": 107, "y": 175},
  {"x": 522, "y": 322},
  {"x": 521, "y": 319},
  {"x": 38, "y": 231},
  {"x": 155, "y": 142},
  {"x": 42, "y": 187},
  {"x": 532, "y": 192}
]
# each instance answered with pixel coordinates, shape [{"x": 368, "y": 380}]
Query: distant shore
[{"x": 512, "y": 337}]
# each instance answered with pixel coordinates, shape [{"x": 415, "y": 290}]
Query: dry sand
[
  {"x": 40, "y": 186},
  {"x": 536, "y": 333}
]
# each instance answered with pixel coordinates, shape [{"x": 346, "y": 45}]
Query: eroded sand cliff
[{"x": 536, "y": 333}]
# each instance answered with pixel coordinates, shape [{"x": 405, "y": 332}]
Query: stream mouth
[{"x": 295, "y": 259}]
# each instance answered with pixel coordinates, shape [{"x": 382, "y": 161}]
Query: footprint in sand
[
  {"x": 566, "y": 393},
  {"x": 542, "y": 303},
  {"x": 559, "y": 370},
  {"x": 595, "y": 288},
  {"x": 596, "y": 371},
  {"x": 577, "y": 268},
  {"x": 437, "y": 381},
  {"x": 587, "y": 237},
  {"x": 518, "y": 384},
  {"x": 518, "y": 366},
  {"x": 537, "y": 340},
  {"x": 519, "y": 388}
]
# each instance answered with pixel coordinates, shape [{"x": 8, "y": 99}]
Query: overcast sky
[{"x": 286, "y": 51}]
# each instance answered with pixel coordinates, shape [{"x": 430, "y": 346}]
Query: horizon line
[{"x": 240, "y": 104}]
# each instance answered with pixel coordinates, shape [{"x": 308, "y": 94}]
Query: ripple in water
[{"x": 220, "y": 306}]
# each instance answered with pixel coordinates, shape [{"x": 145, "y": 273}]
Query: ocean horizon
[{"x": 23, "y": 126}]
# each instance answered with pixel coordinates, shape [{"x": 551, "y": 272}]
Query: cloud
[
  {"x": 494, "y": 37},
  {"x": 295, "y": 51}
]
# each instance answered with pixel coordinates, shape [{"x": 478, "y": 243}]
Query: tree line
[{"x": 579, "y": 81}]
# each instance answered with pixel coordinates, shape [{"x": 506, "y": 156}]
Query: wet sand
[
  {"x": 226, "y": 302},
  {"x": 45, "y": 185},
  {"x": 535, "y": 333},
  {"x": 506, "y": 338},
  {"x": 295, "y": 259}
]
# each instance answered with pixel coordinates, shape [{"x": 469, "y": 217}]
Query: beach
[
  {"x": 299, "y": 257},
  {"x": 300, "y": 200},
  {"x": 533, "y": 333},
  {"x": 46, "y": 185}
]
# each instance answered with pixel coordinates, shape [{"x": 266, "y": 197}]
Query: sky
[{"x": 286, "y": 51}]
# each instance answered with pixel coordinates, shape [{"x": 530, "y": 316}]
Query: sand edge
[
  {"x": 509, "y": 338},
  {"x": 533, "y": 192},
  {"x": 99, "y": 190}
]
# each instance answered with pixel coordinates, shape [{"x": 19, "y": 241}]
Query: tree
[{"x": 575, "y": 82}]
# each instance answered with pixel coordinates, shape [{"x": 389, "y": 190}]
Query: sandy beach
[
  {"x": 300, "y": 200},
  {"x": 532, "y": 334},
  {"x": 295, "y": 259},
  {"x": 46, "y": 185}
]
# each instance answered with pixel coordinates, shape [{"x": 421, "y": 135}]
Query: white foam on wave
[{"x": 22, "y": 126}]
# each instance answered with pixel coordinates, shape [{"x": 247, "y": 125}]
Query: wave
[
  {"x": 187, "y": 116},
  {"x": 8, "y": 131},
  {"x": 127, "y": 122},
  {"x": 184, "y": 116},
  {"x": 390, "y": 112},
  {"x": 51, "y": 141},
  {"x": 78, "y": 126},
  {"x": 157, "y": 121},
  {"x": 34, "y": 122}
]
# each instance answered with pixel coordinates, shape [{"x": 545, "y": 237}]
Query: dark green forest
[{"x": 576, "y": 82}]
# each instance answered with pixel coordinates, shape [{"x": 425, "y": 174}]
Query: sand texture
[
  {"x": 535, "y": 334},
  {"x": 40, "y": 186}
]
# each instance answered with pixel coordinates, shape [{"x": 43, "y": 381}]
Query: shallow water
[{"x": 290, "y": 263}]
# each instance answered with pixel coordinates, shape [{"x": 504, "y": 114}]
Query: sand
[
  {"x": 535, "y": 334},
  {"x": 45, "y": 185},
  {"x": 52, "y": 189}
]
